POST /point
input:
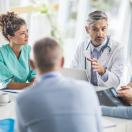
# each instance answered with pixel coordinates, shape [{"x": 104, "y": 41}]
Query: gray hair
[
  {"x": 46, "y": 53},
  {"x": 95, "y": 16}
]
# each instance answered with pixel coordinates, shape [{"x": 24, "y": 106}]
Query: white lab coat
[{"x": 112, "y": 58}]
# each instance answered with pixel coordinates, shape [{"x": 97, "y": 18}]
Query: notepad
[{"x": 7, "y": 125}]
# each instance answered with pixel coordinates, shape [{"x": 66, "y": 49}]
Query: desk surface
[
  {"x": 8, "y": 111},
  {"x": 109, "y": 124}
]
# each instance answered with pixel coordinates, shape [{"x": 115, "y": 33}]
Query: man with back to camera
[
  {"x": 100, "y": 56},
  {"x": 56, "y": 103}
]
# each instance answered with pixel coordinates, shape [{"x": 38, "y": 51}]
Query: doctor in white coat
[{"x": 100, "y": 56}]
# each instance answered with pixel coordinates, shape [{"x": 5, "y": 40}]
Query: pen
[
  {"x": 110, "y": 126},
  {"x": 88, "y": 59},
  {"x": 9, "y": 91},
  {"x": 87, "y": 56}
]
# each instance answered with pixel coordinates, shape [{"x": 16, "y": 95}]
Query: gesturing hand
[{"x": 97, "y": 66}]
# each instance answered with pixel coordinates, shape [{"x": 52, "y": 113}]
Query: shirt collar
[{"x": 49, "y": 75}]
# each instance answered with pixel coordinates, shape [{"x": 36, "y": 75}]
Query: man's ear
[
  {"x": 87, "y": 29},
  {"x": 32, "y": 64},
  {"x": 62, "y": 62}
]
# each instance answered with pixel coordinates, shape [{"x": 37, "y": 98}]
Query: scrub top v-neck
[{"x": 15, "y": 69}]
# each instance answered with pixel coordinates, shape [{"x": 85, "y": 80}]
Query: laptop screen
[{"x": 75, "y": 73}]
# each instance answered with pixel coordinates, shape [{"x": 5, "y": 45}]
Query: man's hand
[
  {"x": 126, "y": 93},
  {"x": 98, "y": 67}
]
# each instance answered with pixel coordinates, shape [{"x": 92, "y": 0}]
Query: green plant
[{"x": 50, "y": 11}]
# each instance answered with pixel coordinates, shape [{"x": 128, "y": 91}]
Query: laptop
[{"x": 75, "y": 73}]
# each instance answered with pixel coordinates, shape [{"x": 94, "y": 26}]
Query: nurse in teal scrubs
[{"x": 15, "y": 69}]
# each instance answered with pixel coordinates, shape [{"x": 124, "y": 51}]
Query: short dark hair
[
  {"x": 10, "y": 23},
  {"x": 95, "y": 16},
  {"x": 46, "y": 52}
]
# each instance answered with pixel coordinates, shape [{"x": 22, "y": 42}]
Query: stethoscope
[{"x": 102, "y": 49}]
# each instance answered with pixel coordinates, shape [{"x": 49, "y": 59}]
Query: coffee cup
[{"x": 4, "y": 98}]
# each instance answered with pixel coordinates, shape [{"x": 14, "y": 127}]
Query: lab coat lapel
[{"x": 105, "y": 56}]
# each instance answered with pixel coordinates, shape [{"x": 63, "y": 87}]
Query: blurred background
[{"x": 65, "y": 20}]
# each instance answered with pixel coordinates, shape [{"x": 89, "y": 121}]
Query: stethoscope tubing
[{"x": 102, "y": 49}]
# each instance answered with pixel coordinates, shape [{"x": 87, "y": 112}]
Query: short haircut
[
  {"x": 10, "y": 23},
  {"x": 95, "y": 16},
  {"x": 46, "y": 52}
]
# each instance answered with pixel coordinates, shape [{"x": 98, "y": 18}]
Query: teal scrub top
[{"x": 13, "y": 69}]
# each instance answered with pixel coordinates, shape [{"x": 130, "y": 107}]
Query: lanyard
[{"x": 102, "y": 49}]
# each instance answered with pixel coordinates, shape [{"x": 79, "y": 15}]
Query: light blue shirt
[
  {"x": 58, "y": 104},
  {"x": 105, "y": 75},
  {"x": 118, "y": 111},
  {"x": 13, "y": 69}
]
